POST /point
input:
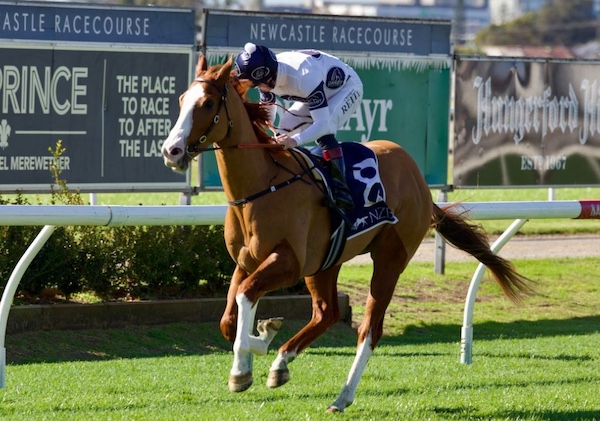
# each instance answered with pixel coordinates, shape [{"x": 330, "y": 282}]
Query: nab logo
[
  {"x": 317, "y": 100},
  {"x": 595, "y": 211},
  {"x": 335, "y": 78}
]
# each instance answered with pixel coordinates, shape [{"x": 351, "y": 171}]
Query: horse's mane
[{"x": 257, "y": 113}]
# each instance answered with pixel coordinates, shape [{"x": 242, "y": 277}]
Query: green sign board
[{"x": 404, "y": 64}]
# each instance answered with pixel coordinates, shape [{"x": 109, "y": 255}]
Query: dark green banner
[{"x": 406, "y": 96}]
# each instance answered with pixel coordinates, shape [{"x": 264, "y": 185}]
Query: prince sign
[{"x": 94, "y": 78}]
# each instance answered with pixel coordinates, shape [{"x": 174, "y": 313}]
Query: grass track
[{"x": 535, "y": 362}]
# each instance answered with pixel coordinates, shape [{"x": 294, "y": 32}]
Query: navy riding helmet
[{"x": 258, "y": 64}]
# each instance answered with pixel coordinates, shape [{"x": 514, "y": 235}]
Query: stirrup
[{"x": 343, "y": 199}]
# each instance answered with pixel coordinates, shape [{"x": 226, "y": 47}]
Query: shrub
[
  {"x": 114, "y": 263},
  {"x": 117, "y": 263}
]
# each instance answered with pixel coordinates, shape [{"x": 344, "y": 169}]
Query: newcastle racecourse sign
[
  {"x": 404, "y": 64},
  {"x": 328, "y": 33}
]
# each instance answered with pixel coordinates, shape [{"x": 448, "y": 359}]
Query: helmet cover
[{"x": 256, "y": 63}]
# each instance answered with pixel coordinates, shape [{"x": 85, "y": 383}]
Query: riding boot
[{"x": 342, "y": 195}]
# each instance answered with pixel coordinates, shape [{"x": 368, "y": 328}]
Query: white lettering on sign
[
  {"x": 158, "y": 85},
  {"x": 591, "y": 110},
  {"x": 79, "y": 24},
  {"x": 34, "y": 163},
  {"x": 127, "y": 83},
  {"x": 370, "y": 112},
  {"x": 522, "y": 115},
  {"x": 285, "y": 32},
  {"x": 26, "y": 21},
  {"x": 26, "y": 90},
  {"x": 353, "y": 35},
  {"x": 543, "y": 162},
  {"x": 145, "y": 121},
  {"x": 541, "y": 114},
  {"x": 372, "y": 36},
  {"x": 108, "y": 25}
]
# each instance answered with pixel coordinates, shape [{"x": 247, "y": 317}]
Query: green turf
[{"x": 537, "y": 361}]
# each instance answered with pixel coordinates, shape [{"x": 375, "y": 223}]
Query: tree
[
  {"x": 567, "y": 22},
  {"x": 558, "y": 22}
]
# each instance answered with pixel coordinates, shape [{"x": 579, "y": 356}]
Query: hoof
[
  {"x": 278, "y": 378},
  {"x": 240, "y": 383},
  {"x": 338, "y": 406},
  {"x": 271, "y": 325}
]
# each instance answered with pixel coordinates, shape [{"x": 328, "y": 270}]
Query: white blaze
[{"x": 180, "y": 132}]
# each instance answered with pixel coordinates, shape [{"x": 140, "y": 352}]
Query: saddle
[{"x": 368, "y": 192}]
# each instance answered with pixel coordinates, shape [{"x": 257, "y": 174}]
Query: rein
[
  {"x": 266, "y": 191},
  {"x": 194, "y": 148},
  {"x": 272, "y": 189}
]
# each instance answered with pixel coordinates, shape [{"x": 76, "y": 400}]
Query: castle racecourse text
[{"x": 76, "y": 24}]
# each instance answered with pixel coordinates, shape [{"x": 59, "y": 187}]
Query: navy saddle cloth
[{"x": 368, "y": 192}]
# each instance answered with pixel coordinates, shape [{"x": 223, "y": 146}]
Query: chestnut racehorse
[{"x": 278, "y": 231}]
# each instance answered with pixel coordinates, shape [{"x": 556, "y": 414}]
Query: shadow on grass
[
  {"x": 181, "y": 339},
  {"x": 522, "y": 329},
  {"x": 471, "y": 414},
  {"x": 550, "y": 415}
]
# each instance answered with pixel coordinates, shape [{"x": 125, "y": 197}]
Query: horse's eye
[{"x": 209, "y": 104}]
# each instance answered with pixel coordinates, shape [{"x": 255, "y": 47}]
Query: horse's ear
[
  {"x": 225, "y": 72},
  {"x": 202, "y": 65}
]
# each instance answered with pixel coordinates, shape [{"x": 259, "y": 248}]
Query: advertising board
[
  {"x": 404, "y": 65},
  {"x": 105, "y": 81},
  {"x": 526, "y": 122}
]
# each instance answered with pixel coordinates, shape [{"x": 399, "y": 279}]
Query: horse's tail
[{"x": 471, "y": 238}]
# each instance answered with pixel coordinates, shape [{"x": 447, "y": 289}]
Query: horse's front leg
[
  {"x": 267, "y": 329},
  {"x": 229, "y": 319},
  {"x": 281, "y": 268}
]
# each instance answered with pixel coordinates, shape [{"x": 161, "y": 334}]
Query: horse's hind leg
[
  {"x": 389, "y": 260},
  {"x": 325, "y": 313}
]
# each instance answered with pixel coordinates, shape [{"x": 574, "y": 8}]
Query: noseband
[{"x": 194, "y": 148}]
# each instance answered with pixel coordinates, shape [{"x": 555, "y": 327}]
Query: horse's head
[{"x": 203, "y": 115}]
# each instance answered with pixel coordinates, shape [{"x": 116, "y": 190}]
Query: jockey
[{"x": 326, "y": 93}]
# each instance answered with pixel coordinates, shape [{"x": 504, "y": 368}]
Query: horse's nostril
[{"x": 176, "y": 151}]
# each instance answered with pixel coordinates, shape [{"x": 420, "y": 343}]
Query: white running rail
[{"x": 51, "y": 216}]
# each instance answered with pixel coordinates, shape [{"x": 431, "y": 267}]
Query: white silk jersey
[{"x": 325, "y": 90}]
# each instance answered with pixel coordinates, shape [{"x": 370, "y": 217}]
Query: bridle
[{"x": 195, "y": 147}]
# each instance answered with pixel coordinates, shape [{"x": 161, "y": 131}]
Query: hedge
[{"x": 125, "y": 263}]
